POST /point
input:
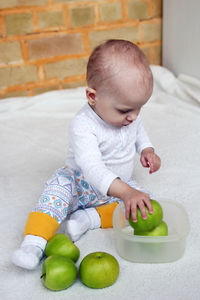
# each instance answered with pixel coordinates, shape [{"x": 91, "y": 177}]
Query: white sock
[
  {"x": 30, "y": 252},
  {"x": 81, "y": 221}
]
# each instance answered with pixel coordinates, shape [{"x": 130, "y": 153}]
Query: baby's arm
[
  {"x": 131, "y": 198},
  {"x": 87, "y": 155}
]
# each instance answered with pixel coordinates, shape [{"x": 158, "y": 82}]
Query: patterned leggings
[{"x": 66, "y": 191}]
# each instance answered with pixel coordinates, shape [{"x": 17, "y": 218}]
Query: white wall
[{"x": 181, "y": 36}]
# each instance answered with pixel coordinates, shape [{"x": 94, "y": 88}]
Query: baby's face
[{"x": 120, "y": 105}]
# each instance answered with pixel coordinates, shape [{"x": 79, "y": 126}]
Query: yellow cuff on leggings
[
  {"x": 41, "y": 224},
  {"x": 106, "y": 214}
]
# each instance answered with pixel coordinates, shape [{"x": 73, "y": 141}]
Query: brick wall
[{"x": 45, "y": 44}]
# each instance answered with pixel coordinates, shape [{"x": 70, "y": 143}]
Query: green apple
[
  {"x": 58, "y": 272},
  {"x": 99, "y": 270},
  {"x": 61, "y": 244},
  {"x": 160, "y": 230},
  {"x": 152, "y": 220}
]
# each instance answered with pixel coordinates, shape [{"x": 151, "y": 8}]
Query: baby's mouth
[{"x": 128, "y": 123}]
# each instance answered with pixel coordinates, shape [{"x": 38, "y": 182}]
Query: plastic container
[{"x": 148, "y": 249}]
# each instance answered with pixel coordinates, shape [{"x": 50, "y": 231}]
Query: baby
[{"x": 103, "y": 139}]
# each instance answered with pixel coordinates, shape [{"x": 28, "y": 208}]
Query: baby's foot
[
  {"x": 30, "y": 253},
  {"x": 81, "y": 221},
  {"x": 27, "y": 257}
]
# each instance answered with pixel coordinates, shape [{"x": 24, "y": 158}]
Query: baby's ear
[{"x": 91, "y": 96}]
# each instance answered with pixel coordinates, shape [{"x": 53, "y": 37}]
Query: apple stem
[{"x": 42, "y": 275}]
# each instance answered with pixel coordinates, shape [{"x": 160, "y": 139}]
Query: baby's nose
[{"x": 131, "y": 117}]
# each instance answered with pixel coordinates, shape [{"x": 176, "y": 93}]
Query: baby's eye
[{"x": 124, "y": 111}]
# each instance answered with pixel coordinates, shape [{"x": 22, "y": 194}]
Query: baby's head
[{"x": 119, "y": 80}]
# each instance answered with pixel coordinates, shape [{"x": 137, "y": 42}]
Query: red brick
[
  {"x": 66, "y": 68},
  {"x": 17, "y": 3},
  {"x": 55, "y": 46}
]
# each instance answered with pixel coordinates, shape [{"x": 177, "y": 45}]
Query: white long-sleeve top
[{"x": 103, "y": 152}]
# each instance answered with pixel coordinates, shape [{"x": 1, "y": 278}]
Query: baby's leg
[
  {"x": 88, "y": 216},
  {"x": 44, "y": 221},
  {"x": 83, "y": 220}
]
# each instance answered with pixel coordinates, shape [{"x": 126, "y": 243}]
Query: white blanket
[{"x": 33, "y": 143}]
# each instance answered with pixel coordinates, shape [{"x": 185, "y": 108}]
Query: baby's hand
[
  {"x": 134, "y": 199},
  {"x": 150, "y": 159},
  {"x": 131, "y": 197}
]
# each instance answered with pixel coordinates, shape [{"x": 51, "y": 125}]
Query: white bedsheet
[{"x": 33, "y": 143}]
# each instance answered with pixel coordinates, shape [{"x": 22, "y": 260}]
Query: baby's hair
[{"x": 103, "y": 61}]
